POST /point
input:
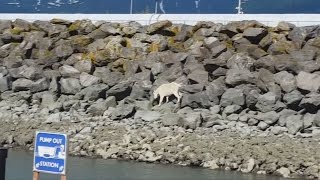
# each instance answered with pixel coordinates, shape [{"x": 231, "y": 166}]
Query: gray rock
[
  {"x": 4, "y": 84},
  {"x": 241, "y": 61},
  {"x": 253, "y": 122},
  {"x": 285, "y": 26},
  {"x": 317, "y": 119},
  {"x": 48, "y": 100},
  {"x": 100, "y": 106},
  {"x": 120, "y": 90},
  {"x": 109, "y": 29},
  {"x": 233, "y": 117},
  {"x": 140, "y": 90},
  {"x": 231, "y": 109},
  {"x": 69, "y": 71},
  {"x": 54, "y": 86},
  {"x": 5, "y": 24},
  {"x": 286, "y": 80},
  {"x": 40, "y": 85},
  {"x": 211, "y": 42},
  {"x": 294, "y": 123},
  {"x": 284, "y": 172},
  {"x": 63, "y": 50},
  {"x": 53, "y": 118},
  {"x": 197, "y": 100},
  {"x": 111, "y": 101},
  {"x": 157, "y": 68},
  {"x": 16, "y": 96},
  {"x": 199, "y": 76},
  {"x": 22, "y": 85},
  {"x": 191, "y": 121},
  {"x": 193, "y": 88},
  {"x": 70, "y": 86},
  {"x": 236, "y": 76},
  {"x": 218, "y": 50},
  {"x": 88, "y": 80},
  {"x": 232, "y": 96},
  {"x": 292, "y": 98},
  {"x": 308, "y": 81},
  {"x": 215, "y": 89},
  {"x": 309, "y": 120},
  {"x": 266, "y": 102},
  {"x": 94, "y": 92},
  {"x": 262, "y": 125},
  {"x": 123, "y": 111},
  {"x": 283, "y": 116},
  {"x": 309, "y": 66},
  {"x": 31, "y": 72},
  {"x": 84, "y": 66},
  {"x": 109, "y": 78},
  {"x": 255, "y": 34},
  {"x": 276, "y": 130},
  {"x": 311, "y": 102},
  {"x": 269, "y": 117},
  {"x": 152, "y": 28},
  {"x": 149, "y": 116}
]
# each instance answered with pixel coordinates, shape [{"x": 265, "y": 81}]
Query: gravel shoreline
[{"x": 239, "y": 147}]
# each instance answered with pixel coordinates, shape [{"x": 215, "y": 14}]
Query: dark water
[
  {"x": 19, "y": 167},
  {"x": 148, "y": 6}
]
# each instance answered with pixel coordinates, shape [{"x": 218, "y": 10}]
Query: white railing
[{"x": 191, "y": 19}]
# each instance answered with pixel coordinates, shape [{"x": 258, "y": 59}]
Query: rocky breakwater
[{"x": 250, "y": 92}]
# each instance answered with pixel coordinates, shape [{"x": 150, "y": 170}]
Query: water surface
[{"x": 19, "y": 167}]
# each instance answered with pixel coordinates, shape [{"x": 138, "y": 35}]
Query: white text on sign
[{"x": 49, "y": 140}]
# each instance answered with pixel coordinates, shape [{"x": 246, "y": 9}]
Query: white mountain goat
[{"x": 166, "y": 90}]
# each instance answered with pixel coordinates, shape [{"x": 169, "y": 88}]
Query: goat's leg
[
  {"x": 177, "y": 95},
  {"x": 160, "y": 100},
  {"x": 167, "y": 99}
]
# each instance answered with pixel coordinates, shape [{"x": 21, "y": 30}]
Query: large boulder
[
  {"x": 171, "y": 119},
  {"x": 101, "y": 105},
  {"x": 123, "y": 111},
  {"x": 84, "y": 66},
  {"x": 40, "y": 85},
  {"x": 240, "y": 76},
  {"x": 152, "y": 28},
  {"x": 93, "y": 92},
  {"x": 311, "y": 102},
  {"x": 149, "y": 116},
  {"x": 266, "y": 102},
  {"x": 108, "y": 77},
  {"x": 31, "y": 72},
  {"x": 69, "y": 71},
  {"x": 121, "y": 90},
  {"x": 87, "y": 80},
  {"x": 286, "y": 80},
  {"x": 255, "y": 34},
  {"x": 70, "y": 86},
  {"x": 22, "y": 85},
  {"x": 199, "y": 76},
  {"x": 232, "y": 96},
  {"x": 197, "y": 100},
  {"x": 241, "y": 61},
  {"x": 4, "y": 83},
  {"x": 294, "y": 123},
  {"x": 308, "y": 81},
  {"x": 191, "y": 121},
  {"x": 269, "y": 118},
  {"x": 293, "y": 98}
]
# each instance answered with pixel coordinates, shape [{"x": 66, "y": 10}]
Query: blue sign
[{"x": 50, "y": 153}]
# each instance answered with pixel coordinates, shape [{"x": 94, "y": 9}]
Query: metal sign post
[
  {"x": 3, "y": 157},
  {"x": 50, "y": 154}
]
